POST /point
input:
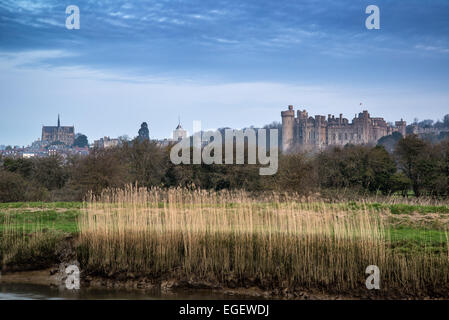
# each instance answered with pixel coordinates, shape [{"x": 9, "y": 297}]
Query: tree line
[{"x": 410, "y": 167}]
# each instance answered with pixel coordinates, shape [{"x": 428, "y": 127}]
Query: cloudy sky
[{"x": 224, "y": 62}]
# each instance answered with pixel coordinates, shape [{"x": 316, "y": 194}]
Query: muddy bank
[
  {"x": 172, "y": 288},
  {"x": 38, "y": 277},
  {"x": 252, "y": 291},
  {"x": 51, "y": 271},
  {"x": 167, "y": 288}
]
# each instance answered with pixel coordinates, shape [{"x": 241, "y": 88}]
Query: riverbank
[
  {"x": 144, "y": 288},
  {"x": 171, "y": 288},
  {"x": 45, "y": 284},
  {"x": 231, "y": 244}
]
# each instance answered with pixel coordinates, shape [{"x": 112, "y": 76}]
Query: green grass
[
  {"x": 41, "y": 205},
  {"x": 422, "y": 236},
  {"x": 393, "y": 208},
  {"x": 407, "y": 209},
  {"x": 30, "y": 232},
  {"x": 65, "y": 221},
  {"x": 412, "y": 240}
]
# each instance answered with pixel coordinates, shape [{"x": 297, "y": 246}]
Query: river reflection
[{"x": 17, "y": 291}]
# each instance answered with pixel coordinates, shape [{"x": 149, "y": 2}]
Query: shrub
[{"x": 12, "y": 187}]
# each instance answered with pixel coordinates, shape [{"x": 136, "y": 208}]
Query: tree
[
  {"x": 445, "y": 164},
  {"x": 444, "y": 135},
  {"x": 380, "y": 170},
  {"x": 146, "y": 162},
  {"x": 389, "y": 142},
  {"x": 435, "y": 169},
  {"x": 12, "y": 187},
  {"x": 357, "y": 167},
  {"x": 446, "y": 121},
  {"x": 296, "y": 173},
  {"x": 144, "y": 133},
  {"x": 409, "y": 152},
  {"x": 24, "y": 167},
  {"x": 400, "y": 183},
  {"x": 428, "y": 123},
  {"x": 124, "y": 139},
  {"x": 81, "y": 141},
  {"x": 102, "y": 168},
  {"x": 50, "y": 172}
]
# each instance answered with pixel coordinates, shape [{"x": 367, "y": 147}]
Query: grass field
[{"x": 419, "y": 223}]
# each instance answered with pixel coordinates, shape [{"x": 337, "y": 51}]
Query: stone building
[
  {"x": 106, "y": 142},
  {"x": 304, "y": 133},
  {"x": 51, "y": 134},
  {"x": 179, "y": 133}
]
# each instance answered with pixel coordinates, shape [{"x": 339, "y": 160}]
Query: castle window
[
  {"x": 346, "y": 136},
  {"x": 339, "y": 136}
]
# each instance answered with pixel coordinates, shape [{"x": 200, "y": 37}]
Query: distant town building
[
  {"x": 315, "y": 133},
  {"x": 179, "y": 133},
  {"x": 106, "y": 142},
  {"x": 28, "y": 155},
  {"x": 63, "y": 134},
  {"x": 420, "y": 131},
  {"x": 37, "y": 145},
  {"x": 163, "y": 142}
]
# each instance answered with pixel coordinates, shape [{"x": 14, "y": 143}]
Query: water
[{"x": 19, "y": 291}]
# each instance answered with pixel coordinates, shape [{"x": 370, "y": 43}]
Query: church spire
[{"x": 59, "y": 122}]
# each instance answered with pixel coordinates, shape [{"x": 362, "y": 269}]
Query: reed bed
[
  {"x": 26, "y": 245},
  {"x": 231, "y": 238}
]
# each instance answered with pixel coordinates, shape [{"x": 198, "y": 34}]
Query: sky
[{"x": 226, "y": 63}]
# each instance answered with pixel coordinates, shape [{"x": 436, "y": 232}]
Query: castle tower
[
  {"x": 288, "y": 128},
  {"x": 302, "y": 134},
  {"x": 401, "y": 126},
  {"x": 179, "y": 133}
]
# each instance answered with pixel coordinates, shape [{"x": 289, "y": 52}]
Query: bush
[{"x": 12, "y": 187}]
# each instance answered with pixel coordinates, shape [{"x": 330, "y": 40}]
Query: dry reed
[
  {"x": 26, "y": 246},
  {"x": 231, "y": 238}
]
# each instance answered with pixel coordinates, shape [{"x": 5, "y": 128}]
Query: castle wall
[
  {"x": 305, "y": 133},
  {"x": 342, "y": 135}
]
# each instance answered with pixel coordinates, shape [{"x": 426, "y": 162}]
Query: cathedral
[
  {"x": 51, "y": 134},
  {"x": 304, "y": 133}
]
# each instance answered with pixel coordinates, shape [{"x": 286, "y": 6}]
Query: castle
[
  {"x": 305, "y": 133},
  {"x": 52, "y": 134}
]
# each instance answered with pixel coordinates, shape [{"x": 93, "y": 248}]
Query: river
[{"x": 27, "y": 291}]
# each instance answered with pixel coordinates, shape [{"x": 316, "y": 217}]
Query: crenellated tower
[{"x": 288, "y": 128}]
